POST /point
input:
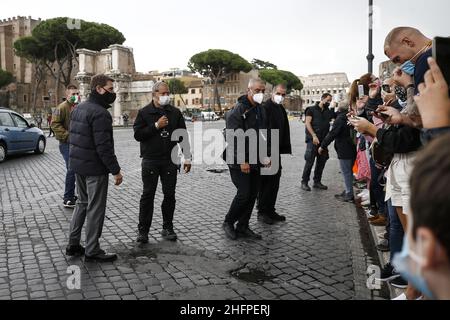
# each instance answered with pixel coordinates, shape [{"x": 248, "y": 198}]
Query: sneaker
[
  {"x": 169, "y": 235},
  {"x": 341, "y": 195},
  {"x": 347, "y": 198},
  {"x": 69, "y": 204},
  {"x": 278, "y": 217},
  {"x": 266, "y": 219},
  {"x": 401, "y": 297},
  {"x": 142, "y": 238},
  {"x": 388, "y": 273},
  {"x": 380, "y": 222},
  {"x": 75, "y": 251},
  {"x": 230, "y": 232},
  {"x": 399, "y": 283},
  {"x": 247, "y": 233},
  {"x": 320, "y": 186}
]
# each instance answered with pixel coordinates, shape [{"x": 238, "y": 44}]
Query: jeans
[
  {"x": 151, "y": 172},
  {"x": 377, "y": 194},
  {"x": 347, "y": 172},
  {"x": 91, "y": 207},
  {"x": 69, "y": 193},
  {"x": 396, "y": 232},
  {"x": 244, "y": 202},
  {"x": 268, "y": 193},
  {"x": 312, "y": 152}
]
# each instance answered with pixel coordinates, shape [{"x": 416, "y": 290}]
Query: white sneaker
[{"x": 400, "y": 297}]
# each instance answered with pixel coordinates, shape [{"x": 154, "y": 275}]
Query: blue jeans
[
  {"x": 347, "y": 172},
  {"x": 69, "y": 193},
  {"x": 396, "y": 232}
]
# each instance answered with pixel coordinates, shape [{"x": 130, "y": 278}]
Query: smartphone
[
  {"x": 441, "y": 53},
  {"x": 361, "y": 91}
]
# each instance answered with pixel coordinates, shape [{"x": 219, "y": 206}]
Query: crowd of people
[{"x": 396, "y": 130}]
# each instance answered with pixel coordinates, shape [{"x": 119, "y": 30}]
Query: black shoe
[
  {"x": 305, "y": 187},
  {"x": 341, "y": 195},
  {"x": 384, "y": 246},
  {"x": 277, "y": 217},
  {"x": 347, "y": 198},
  {"x": 101, "y": 257},
  {"x": 230, "y": 232},
  {"x": 320, "y": 186},
  {"x": 142, "y": 238},
  {"x": 75, "y": 251},
  {"x": 399, "y": 283},
  {"x": 70, "y": 204},
  {"x": 266, "y": 219},
  {"x": 169, "y": 235},
  {"x": 247, "y": 234},
  {"x": 388, "y": 273}
]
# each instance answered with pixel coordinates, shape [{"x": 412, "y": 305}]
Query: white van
[{"x": 210, "y": 116}]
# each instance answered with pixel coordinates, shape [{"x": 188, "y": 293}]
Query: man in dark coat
[
  {"x": 92, "y": 158},
  {"x": 270, "y": 184}
]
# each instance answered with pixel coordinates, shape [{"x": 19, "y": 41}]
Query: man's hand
[
  {"x": 402, "y": 78},
  {"x": 187, "y": 166},
  {"x": 316, "y": 140},
  {"x": 321, "y": 150},
  {"x": 245, "y": 168},
  {"x": 118, "y": 179},
  {"x": 433, "y": 101},
  {"x": 393, "y": 116},
  {"x": 163, "y": 122}
]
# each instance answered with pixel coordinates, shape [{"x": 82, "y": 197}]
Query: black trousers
[
  {"x": 247, "y": 191},
  {"x": 311, "y": 154},
  {"x": 268, "y": 193},
  {"x": 151, "y": 172}
]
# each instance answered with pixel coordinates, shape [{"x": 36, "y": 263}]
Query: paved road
[{"x": 319, "y": 253}]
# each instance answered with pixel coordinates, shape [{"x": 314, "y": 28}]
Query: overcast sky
[{"x": 302, "y": 36}]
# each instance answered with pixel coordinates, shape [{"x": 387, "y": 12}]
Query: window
[
  {"x": 193, "y": 101},
  {"x": 178, "y": 103},
  {"x": 6, "y": 120},
  {"x": 228, "y": 90},
  {"x": 193, "y": 91},
  {"x": 24, "y": 98},
  {"x": 21, "y": 123},
  {"x": 197, "y": 101},
  {"x": 14, "y": 66}
]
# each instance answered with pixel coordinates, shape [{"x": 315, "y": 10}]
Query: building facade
[{"x": 314, "y": 86}]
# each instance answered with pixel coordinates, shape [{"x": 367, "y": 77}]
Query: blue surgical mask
[
  {"x": 409, "y": 67},
  {"x": 408, "y": 264}
]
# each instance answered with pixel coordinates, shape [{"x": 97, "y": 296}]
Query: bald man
[{"x": 409, "y": 49}]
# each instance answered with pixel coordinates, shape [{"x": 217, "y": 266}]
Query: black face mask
[
  {"x": 109, "y": 97},
  {"x": 327, "y": 104}
]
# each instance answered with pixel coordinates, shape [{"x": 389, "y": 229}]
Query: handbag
[{"x": 382, "y": 158}]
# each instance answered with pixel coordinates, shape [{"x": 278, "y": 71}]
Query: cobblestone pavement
[{"x": 319, "y": 253}]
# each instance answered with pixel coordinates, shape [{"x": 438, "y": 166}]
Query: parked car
[{"x": 18, "y": 136}]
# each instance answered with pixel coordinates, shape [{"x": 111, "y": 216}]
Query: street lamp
[{"x": 370, "y": 56}]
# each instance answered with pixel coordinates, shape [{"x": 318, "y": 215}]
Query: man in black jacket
[
  {"x": 346, "y": 151},
  {"x": 318, "y": 120},
  {"x": 270, "y": 184},
  {"x": 92, "y": 158},
  {"x": 155, "y": 128},
  {"x": 247, "y": 117}
]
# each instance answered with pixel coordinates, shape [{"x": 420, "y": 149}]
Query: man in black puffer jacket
[{"x": 92, "y": 158}]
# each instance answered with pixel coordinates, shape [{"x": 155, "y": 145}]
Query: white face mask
[
  {"x": 278, "y": 99},
  {"x": 258, "y": 98},
  {"x": 164, "y": 100}
]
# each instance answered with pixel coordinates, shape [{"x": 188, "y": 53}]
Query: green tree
[
  {"x": 5, "y": 78},
  {"x": 276, "y": 77},
  {"x": 58, "y": 41},
  {"x": 260, "y": 64},
  {"x": 218, "y": 65},
  {"x": 177, "y": 87}
]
